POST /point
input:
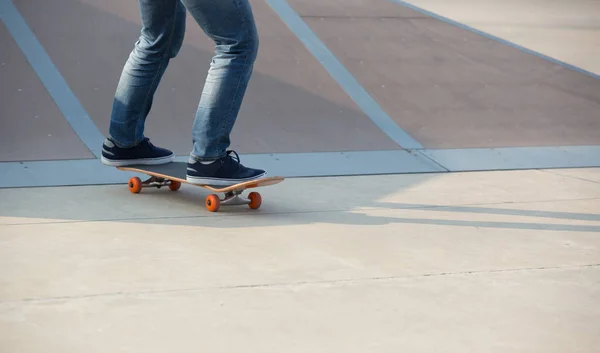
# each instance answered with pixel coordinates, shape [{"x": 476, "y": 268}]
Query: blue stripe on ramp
[
  {"x": 93, "y": 172},
  {"x": 515, "y": 158},
  {"x": 341, "y": 75},
  {"x": 55, "y": 84}
]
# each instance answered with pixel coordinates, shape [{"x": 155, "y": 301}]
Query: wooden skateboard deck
[{"x": 174, "y": 174}]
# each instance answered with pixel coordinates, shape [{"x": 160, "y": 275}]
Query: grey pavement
[
  {"x": 487, "y": 261},
  {"x": 480, "y": 235}
]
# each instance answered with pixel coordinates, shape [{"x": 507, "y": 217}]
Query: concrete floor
[
  {"x": 482, "y": 262},
  {"x": 427, "y": 259}
]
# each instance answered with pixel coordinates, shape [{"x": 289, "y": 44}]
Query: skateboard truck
[
  {"x": 235, "y": 198},
  {"x": 153, "y": 182}
]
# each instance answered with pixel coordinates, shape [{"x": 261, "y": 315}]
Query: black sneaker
[
  {"x": 225, "y": 171},
  {"x": 144, "y": 153}
]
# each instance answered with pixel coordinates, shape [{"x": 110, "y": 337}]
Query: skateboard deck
[{"x": 174, "y": 174}]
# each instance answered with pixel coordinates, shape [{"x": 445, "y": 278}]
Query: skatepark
[{"x": 458, "y": 209}]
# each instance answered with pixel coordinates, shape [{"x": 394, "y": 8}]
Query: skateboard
[{"x": 173, "y": 175}]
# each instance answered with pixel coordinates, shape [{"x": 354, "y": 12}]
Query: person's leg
[
  {"x": 163, "y": 30},
  {"x": 230, "y": 24}
]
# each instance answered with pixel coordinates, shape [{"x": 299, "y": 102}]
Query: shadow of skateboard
[{"x": 174, "y": 174}]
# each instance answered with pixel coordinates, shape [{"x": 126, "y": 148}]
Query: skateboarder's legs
[
  {"x": 163, "y": 30},
  {"x": 230, "y": 24}
]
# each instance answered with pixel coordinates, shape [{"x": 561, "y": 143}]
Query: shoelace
[{"x": 237, "y": 157}]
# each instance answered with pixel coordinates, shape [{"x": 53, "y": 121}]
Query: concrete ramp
[
  {"x": 449, "y": 87},
  {"x": 340, "y": 88}
]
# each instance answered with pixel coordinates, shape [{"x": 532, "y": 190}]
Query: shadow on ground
[
  {"x": 356, "y": 214},
  {"x": 297, "y": 201}
]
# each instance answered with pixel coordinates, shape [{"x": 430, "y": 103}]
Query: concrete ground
[
  {"x": 467, "y": 221},
  {"x": 479, "y": 262}
]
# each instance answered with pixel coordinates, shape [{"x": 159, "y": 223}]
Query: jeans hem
[{"x": 205, "y": 159}]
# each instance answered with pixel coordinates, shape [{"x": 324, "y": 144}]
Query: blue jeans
[{"x": 230, "y": 24}]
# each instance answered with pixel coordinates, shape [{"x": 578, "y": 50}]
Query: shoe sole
[
  {"x": 220, "y": 181},
  {"x": 142, "y": 161}
]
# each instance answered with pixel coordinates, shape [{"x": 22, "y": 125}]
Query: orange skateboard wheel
[
  {"x": 255, "y": 200},
  {"x": 175, "y": 185},
  {"x": 213, "y": 203},
  {"x": 135, "y": 185}
]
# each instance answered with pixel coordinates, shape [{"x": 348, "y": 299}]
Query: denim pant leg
[
  {"x": 230, "y": 24},
  {"x": 163, "y": 30}
]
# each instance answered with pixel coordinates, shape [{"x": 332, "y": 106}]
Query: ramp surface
[
  {"x": 292, "y": 104},
  {"x": 452, "y": 88},
  {"x": 339, "y": 88},
  {"x": 31, "y": 126}
]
